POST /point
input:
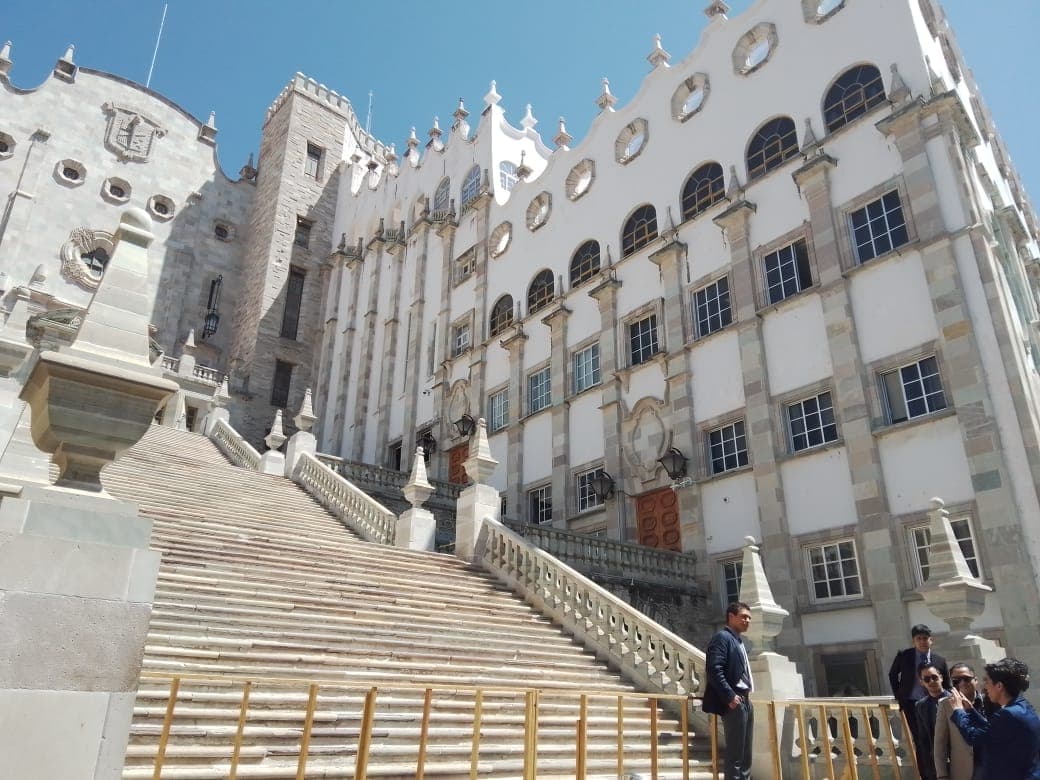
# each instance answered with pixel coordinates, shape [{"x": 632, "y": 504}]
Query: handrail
[
  {"x": 170, "y": 363},
  {"x": 231, "y": 443},
  {"x": 207, "y": 374},
  {"x": 370, "y": 474},
  {"x": 356, "y": 509},
  {"x": 645, "y": 651},
  {"x": 610, "y": 557}
]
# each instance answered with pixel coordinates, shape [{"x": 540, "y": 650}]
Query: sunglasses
[
  {"x": 959, "y": 680},
  {"x": 931, "y": 678}
]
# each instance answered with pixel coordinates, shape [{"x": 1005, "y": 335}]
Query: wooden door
[
  {"x": 657, "y": 520},
  {"x": 456, "y": 471}
]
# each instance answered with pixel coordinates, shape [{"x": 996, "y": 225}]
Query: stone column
[
  {"x": 514, "y": 342},
  {"x": 762, "y": 441},
  {"x": 557, "y": 322},
  {"x": 76, "y": 575},
  {"x": 774, "y": 677},
  {"x": 443, "y": 346},
  {"x": 303, "y": 440},
  {"x": 416, "y": 315},
  {"x": 479, "y": 499},
  {"x": 605, "y": 293},
  {"x": 417, "y": 527},
  {"x": 348, "y": 346},
  {"x": 368, "y": 345},
  {"x": 273, "y": 461},
  {"x": 391, "y": 327}
]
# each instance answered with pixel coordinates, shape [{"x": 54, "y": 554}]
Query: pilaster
[
  {"x": 368, "y": 345},
  {"x": 443, "y": 347},
  {"x": 417, "y": 313},
  {"x": 348, "y": 348},
  {"x": 514, "y": 342},
  {"x": 391, "y": 327},
  {"x": 332, "y": 290},
  {"x": 556, "y": 319}
]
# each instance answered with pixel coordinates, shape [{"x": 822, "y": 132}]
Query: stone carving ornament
[
  {"x": 130, "y": 134},
  {"x": 645, "y": 438},
  {"x": 81, "y": 242}
]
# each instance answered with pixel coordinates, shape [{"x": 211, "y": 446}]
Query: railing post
[
  {"x": 308, "y": 724},
  {"x": 886, "y": 720},
  {"x": 237, "y": 749},
  {"x": 581, "y": 746},
  {"x": 424, "y": 730},
  {"x": 474, "y": 754},
  {"x": 365, "y": 737},
  {"x": 621, "y": 736},
  {"x": 908, "y": 740},
  {"x": 653, "y": 738},
  {"x": 715, "y": 747},
  {"x": 164, "y": 737},
  {"x": 804, "y": 739},
  {"x": 871, "y": 745},
  {"x": 530, "y": 730},
  {"x": 825, "y": 727},
  {"x": 684, "y": 725},
  {"x": 774, "y": 741},
  {"x": 850, "y": 748}
]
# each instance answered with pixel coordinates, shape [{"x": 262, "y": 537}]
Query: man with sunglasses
[
  {"x": 954, "y": 758},
  {"x": 1010, "y": 737},
  {"x": 925, "y": 714},
  {"x": 903, "y": 677}
]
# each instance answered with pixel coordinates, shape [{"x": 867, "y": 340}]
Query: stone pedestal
[
  {"x": 303, "y": 440},
  {"x": 76, "y": 585},
  {"x": 273, "y": 461},
  {"x": 416, "y": 527},
  {"x": 477, "y": 501}
]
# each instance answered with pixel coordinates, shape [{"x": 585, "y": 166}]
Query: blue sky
[{"x": 234, "y": 56}]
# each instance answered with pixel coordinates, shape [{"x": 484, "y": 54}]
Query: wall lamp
[
  {"x": 603, "y": 486},
  {"x": 427, "y": 442},
  {"x": 465, "y": 425},
  {"x": 674, "y": 463}
]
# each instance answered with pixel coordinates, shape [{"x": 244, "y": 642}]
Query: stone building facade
[{"x": 812, "y": 281}]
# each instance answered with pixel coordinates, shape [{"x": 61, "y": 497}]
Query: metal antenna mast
[
  {"x": 155, "y": 52},
  {"x": 368, "y": 119}
]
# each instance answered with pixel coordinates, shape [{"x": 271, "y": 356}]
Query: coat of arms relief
[{"x": 130, "y": 134}]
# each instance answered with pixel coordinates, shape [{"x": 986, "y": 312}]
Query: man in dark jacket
[
  {"x": 728, "y": 690},
  {"x": 1010, "y": 737},
  {"x": 902, "y": 676},
  {"x": 925, "y": 710}
]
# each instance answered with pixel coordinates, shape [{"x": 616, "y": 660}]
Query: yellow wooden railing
[{"x": 623, "y": 703}]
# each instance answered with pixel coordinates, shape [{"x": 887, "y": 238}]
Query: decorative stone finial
[
  {"x": 528, "y": 122},
  {"x": 767, "y": 617},
  {"x": 67, "y": 56},
  {"x": 562, "y": 138},
  {"x": 735, "y": 189},
  {"x": 606, "y": 101},
  {"x": 39, "y": 276},
  {"x": 435, "y": 131},
  {"x": 189, "y": 342},
  {"x": 5, "y": 58},
  {"x": 413, "y": 140},
  {"x": 305, "y": 418},
  {"x": 809, "y": 142},
  {"x": 418, "y": 488},
  {"x": 65, "y": 68},
  {"x": 460, "y": 112},
  {"x": 899, "y": 93},
  {"x": 716, "y": 9},
  {"x": 276, "y": 438},
  {"x": 523, "y": 170},
  {"x": 658, "y": 57},
  {"x": 492, "y": 98},
  {"x": 934, "y": 80},
  {"x": 480, "y": 465},
  {"x": 391, "y": 153},
  {"x": 248, "y": 171}
]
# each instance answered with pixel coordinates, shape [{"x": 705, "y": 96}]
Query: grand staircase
[{"x": 259, "y": 583}]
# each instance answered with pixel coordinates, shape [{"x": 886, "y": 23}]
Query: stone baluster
[
  {"x": 303, "y": 440},
  {"x": 775, "y": 677},
  {"x": 954, "y": 594},
  {"x": 273, "y": 461},
  {"x": 479, "y": 499},
  {"x": 416, "y": 527}
]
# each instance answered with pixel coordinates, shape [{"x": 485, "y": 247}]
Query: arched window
[
  {"x": 705, "y": 187},
  {"x": 501, "y": 315},
  {"x": 441, "y": 195},
  {"x": 541, "y": 291},
  {"x": 470, "y": 187},
  {"x": 775, "y": 143},
  {"x": 853, "y": 94},
  {"x": 584, "y": 263},
  {"x": 640, "y": 229},
  {"x": 507, "y": 176}
]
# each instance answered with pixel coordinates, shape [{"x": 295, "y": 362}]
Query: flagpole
[{"x": 155, "y": 53}]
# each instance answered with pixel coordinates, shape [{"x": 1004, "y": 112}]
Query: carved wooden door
[
  {"x": 657, "y": 520},
  {"x": 456, "y": 471}
]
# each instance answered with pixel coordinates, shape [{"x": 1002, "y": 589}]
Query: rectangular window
[
  {"x": 586, "y": 368},
  {"x": 787, "y": 271},
  {"x": 727, "y": 447},
  {"x": 834, "y": 571},
  {"x": 498, "y": 410},
  {"x": 431, "y": 350},
  {"x": 312, "y": 167},
  {"x": 281, "y": 384},
  {"x": 584, "y": 490},
  {"x": 921, "y": 538},
  {"x": 539, "y": 392},
  {"x": 293, "y": 301},
  {"x": 394, "y": 456},
  {"x": 539, "y": 505},
  {"x": 465, "y": 265},
  {"x": 731, "y": 574},
  {"x": 811, "y": 422},
  {"x": 879, "y": 227},
  {"x": 302, "y": 237},
  {"x": 913, "y": 390},
  {"x": 711, "y": 304},
  {"x": 460, "y": 339},
  {"x": 642, "y": 339}
]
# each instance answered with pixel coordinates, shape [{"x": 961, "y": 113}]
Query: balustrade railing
[
  {"x": 353, "y": 506},
  {"x": 842, "y": 738},
  {"x": 646, "y": 652},
  {"x": 170, "y": 363},
  {"x": 234, "y": 446},
  {"x": 611, "y": 559},
  {"x": 377, "y": 476},
  {"x": 207, "y": 374}
]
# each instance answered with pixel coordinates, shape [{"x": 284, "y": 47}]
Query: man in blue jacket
[
  {"x": 1010, "y": 737},
  {"x": 728, "y": 690}
]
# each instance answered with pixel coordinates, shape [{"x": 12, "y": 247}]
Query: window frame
[
  {"x": 962, "y": 520},
  {"x": 303, "y": 232},
  {"x": 540, "y": 285},
  {"x": 898, "y": 369},
  {"x": 313, "y": 157},
  {"x": 442, "y": 195},
  {"x": 718, "y": 466},
  {"x": 585, "y": 497},
  {"x": 461, "y": 336},
  {"x": 703, "y": 324},
  {"x": 737, "y": 562},
  {"x": 293, "y": 308},
  {"x": 642, "y": 353},
  {"x": 799, "y": 264},
  {"x": 799, "y": 401},
  {"x": 496, "y": 322},
  {"x": 465, "y": 266},
  {"x": 543, "y": 494},
  {"x": 716, "y": 186},
  {"x": 851, "y": 113},
  {"x": 771, "y": 159},
  {"x": 812, "y": 582},
  {"x": 639, "y": 229},
  {"x": 284, "y": 387},
  {"x": 496, "y": 424},
  {"x": 863, "y": 206},
  {"x": 470, "y": 189},
  {"x": 594, "y": 372},
  {"x": 585, "y": 263},
  {"x": 544, "y": 395}
]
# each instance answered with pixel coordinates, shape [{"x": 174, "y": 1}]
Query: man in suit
[
  {"x": 1010, "y": 737},
  {"x": 954, "y": 758},
  {"x": 728, "y": 690},
  {"x": 925, "y": 712},
  {"x": 902, "y": 676}
]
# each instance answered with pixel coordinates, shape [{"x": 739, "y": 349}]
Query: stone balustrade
[
  {"x": 170, "y": 363},
  {"x": 207, "y": 374},
  {"x": 352, "y": 506},
  {"x": 376, "y": 476},
  {"x": 646, "y": 652},
  {"x": 240, "y": 452},
  {"x": 609, "y": 559}
]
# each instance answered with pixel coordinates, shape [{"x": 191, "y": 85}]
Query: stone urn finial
[
  {"x": 276, "y": 438},
  {"x": 418, "y": 488},
  {"x": 305, "y": 418},
  {"x": 480, "y": 465},
  {"x": 951, "y": 591},
  {"x": 767, "y": 617}
]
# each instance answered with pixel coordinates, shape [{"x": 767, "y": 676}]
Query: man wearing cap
[{"x": 902, "y": 676}]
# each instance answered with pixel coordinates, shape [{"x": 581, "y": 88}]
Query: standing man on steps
[{"x": 728, "y": 690}]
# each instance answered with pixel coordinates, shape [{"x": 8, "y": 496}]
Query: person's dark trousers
[
  {"x": 737, "y": 725},
  {"x": 908, "y": 709}
]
